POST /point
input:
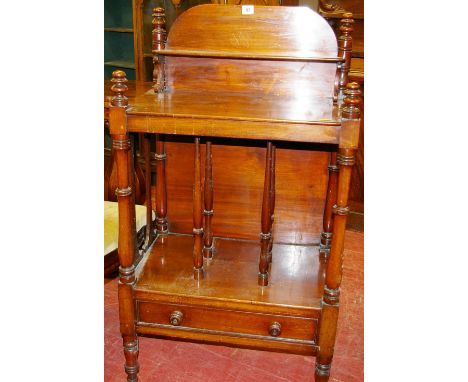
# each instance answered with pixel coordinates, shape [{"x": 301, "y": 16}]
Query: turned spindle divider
[
  {"x": 208, "y": 203},
  {"x": 214, "y": 82}
]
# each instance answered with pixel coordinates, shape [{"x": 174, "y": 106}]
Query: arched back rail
[{"x": 274, "y": 52}]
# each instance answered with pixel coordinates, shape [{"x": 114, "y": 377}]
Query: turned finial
[
  {"x": 159, "y": 29},
  {"x": 158, "y": 43},
  {"x": 345, "y": 47},
  {"x": 346, "y": 24},
  {"x": 352, "y": 101},
  {"x": 119, "y": 88}
]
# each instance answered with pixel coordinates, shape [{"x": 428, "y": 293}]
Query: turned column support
[
  {"x": 148, "y": 176},
  {"x": 266, "y": 222},
  {"x": 208, "y": 201},
  {"x": 161, "y": 186},
  {"x": 197, "y": 216},
  {"x": 127, "y": 226},
  {"x": 159, "y": 36},
  {"x": 327, "y": 232},
  {"x": 349, "y": 137},
  {"x": 272, "y": 196}
]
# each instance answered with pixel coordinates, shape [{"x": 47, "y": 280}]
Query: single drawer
[{"x": 227, "y": 320}]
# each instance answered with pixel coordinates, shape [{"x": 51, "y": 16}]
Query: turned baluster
[
  {"x": 208, "y": 212},
  {"x": 349, "y": 137},
  {"x": 145, "y": 141},
  {"x": 127, "y": 227},
  {"x": 265, "y": 235},
  {"x": 345, "y": 47},
  {"x": 158, "y": 43},
  {"x": 272, "y": 200},
  {"x": 161, "y": 187},
  {"x": 327, "y": 233},
  {"x": 197, "y": 216}
]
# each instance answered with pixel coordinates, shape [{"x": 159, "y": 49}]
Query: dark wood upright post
[
  {"x": 161, "y": 186},
  {"x": 272, "y": 200},
  {"x": 208, "y": 212},
  {"x": 158, "y": 43},
  {"x": 345, "y": 47},
  {"x": 149, "y": 205},
  {"x": 127, "y": 226},
  {"x": 326, "y": 235},
  {"x": 197, "y": 216},
  {"x": 349, "y": 137},
  {"x": 265, "y": 235}
]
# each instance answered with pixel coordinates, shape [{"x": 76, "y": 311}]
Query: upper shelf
[
  {"x": 230, "y": 115},
  {"x": 284, "y": 56}
]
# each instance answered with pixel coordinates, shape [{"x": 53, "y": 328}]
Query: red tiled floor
[{"x": 171, "y": 361}]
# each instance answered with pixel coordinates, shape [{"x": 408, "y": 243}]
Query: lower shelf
[{"x": 227, "y": 306}]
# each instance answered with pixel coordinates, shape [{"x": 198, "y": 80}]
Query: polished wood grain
[
  {"x": 296, "y": 31},
  {"x": 295, "y": 288},
  {"x": 243, "y": 116},
  {"x": 238, "y": 170},
  {"x": 195, "y": 317}
]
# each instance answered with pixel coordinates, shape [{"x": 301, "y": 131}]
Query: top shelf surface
[{"x": 230, "y": 115}]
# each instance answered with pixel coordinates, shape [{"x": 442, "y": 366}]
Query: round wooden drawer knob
[
  {"x": 275, "y": 329},
  {"x": 176, "y": 318}
]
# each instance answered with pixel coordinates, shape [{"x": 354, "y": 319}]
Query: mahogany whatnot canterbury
[{"x": 266, "y": 83}]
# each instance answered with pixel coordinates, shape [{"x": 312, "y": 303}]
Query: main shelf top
[{"x": 296, "y": 277}]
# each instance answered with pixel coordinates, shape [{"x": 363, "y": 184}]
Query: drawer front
[{"x": 275, "y": 326}]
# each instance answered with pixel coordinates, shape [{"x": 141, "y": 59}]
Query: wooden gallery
[{"x": 233, "y": 173}]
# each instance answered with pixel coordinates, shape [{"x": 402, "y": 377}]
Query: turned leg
[
  {"x": 265, "y": 235},
  {"x": 326, "y": 236},
  {"x": 127, "y": 228},
  {"x": 349, "y": 136},
  {"x": 331, "y": 295},
  {"x": 161, "y": 187},
  {"x": 208, "y": 212},
  {"x": 197, "y": 217},
  {"x": 272, "y": 200}
]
